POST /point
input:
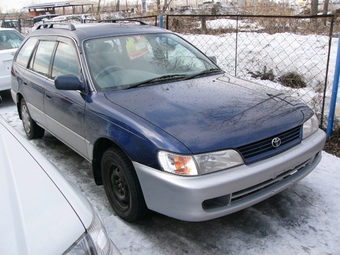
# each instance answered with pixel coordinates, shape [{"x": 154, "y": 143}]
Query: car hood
[
  {"x": 36, "y": 212},
  {"x": 213, "y": 113}
]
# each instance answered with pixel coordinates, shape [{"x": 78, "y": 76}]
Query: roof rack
[
  {"x": 122, "y": 20},
  {"x": 69, "y": 26}
]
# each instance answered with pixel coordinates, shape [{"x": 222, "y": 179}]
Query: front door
[{"x": 65, "y": 109}]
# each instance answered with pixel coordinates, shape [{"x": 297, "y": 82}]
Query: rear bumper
[{"x": 214, "y": 195}]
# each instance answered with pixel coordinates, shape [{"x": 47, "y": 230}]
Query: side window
[
  {"x": 13, "y": 38},
  {"x": 43, "y": 57},
  {"x": 65, "y": 61},
  {"x": 10, "y": 39},
  {"x": 26, "y": 52},
  {"x": 179, "y": 57}
]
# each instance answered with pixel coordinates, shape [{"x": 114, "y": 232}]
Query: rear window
[{"x": 10, "y": 39}]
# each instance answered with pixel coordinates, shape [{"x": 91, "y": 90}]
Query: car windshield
[
  {"x": 10, "y": 39},
  {"x": 124, "y": 62}
]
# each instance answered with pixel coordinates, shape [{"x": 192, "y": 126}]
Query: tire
[
  {"x": 31, "y": 128},
  {"x": 122, "y": 187}
]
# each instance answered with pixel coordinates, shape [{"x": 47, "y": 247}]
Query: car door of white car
[
  {"x": 6, "y": 58},
  {"x": 64, "y": 109}
]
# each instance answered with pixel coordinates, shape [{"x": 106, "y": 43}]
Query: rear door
[
  {"x": 6, "y": 58},
  {"x": 31, "y": 71}
]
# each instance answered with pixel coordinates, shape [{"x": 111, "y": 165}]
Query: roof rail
[
  {"x": 69, "y": 26},
  {"x": 122, "y": 20}
]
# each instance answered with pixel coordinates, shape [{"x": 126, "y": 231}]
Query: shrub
[{"x": 292, "y": 80}]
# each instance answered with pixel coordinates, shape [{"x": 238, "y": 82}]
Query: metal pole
[
  {"x": 161, "y": 20},
  {"x": 334, "y": 91}
]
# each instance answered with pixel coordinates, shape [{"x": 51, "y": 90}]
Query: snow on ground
[{"x": 304, "y": 219}]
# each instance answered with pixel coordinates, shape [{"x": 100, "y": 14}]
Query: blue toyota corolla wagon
[{"x": 164, "y": 127}]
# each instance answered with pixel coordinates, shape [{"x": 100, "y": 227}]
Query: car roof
[{"x": 85, "y": 31}]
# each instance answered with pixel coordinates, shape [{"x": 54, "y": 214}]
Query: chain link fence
[{"x": 289, "y": 53}]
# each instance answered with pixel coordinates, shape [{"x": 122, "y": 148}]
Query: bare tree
[
  {"x": 158, "y": 5},
  {"x": 325, "y": 7},
  {"x": 117, "y": 5},
  {"x": 166, "y": 5},
  {"x": 314, "y": 7},
  {"x": 98, "y": 10},
  {"x": 137, "y": 5}
]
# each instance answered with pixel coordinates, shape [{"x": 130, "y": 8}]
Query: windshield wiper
[
  {"x": 205, "y": 72},
  {"x": 158, "y": 79}
]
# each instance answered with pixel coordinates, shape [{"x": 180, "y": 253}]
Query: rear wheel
[
  {"x": 121, "y": 186},
  {"x": 32, "y": 129}
]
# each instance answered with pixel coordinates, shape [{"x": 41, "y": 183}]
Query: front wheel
[
  {"x": 32, "y": 129},
  {"x": 121, "y": 186}
]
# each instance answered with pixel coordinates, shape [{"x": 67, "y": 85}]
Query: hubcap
[
  {"x": 119, "y": 187},
  {"x": 26, "y": 119}
]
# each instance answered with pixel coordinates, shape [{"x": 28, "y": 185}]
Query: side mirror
[
  {"x": 0, "y": 99},
  {"x": 68, "y": 82}
]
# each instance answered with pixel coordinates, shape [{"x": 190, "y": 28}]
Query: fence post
[
  {"x": 161, "y": 20},
  {"x": 19, "y": 25},
  {"x": 334, "y": 91}
]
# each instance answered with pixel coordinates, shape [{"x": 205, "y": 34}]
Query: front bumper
[{"x": 214, "y": 195}]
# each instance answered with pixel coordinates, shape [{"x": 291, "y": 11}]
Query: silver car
[
  {"x": 10, "y": 40},
  {"x": 41, "y": 212}
]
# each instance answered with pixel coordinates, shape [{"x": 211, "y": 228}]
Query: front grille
[{"x": 264, "y": 148}]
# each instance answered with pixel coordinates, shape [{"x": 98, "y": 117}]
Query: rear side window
[
  {"x": 26, "y": 52},
  {"x": 43, "y": 57},
  {"x": 65, "y": 61}
]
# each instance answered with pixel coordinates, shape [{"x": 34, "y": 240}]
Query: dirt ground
[{"x": 332, "y": 145}]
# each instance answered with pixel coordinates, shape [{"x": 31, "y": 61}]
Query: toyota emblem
[{"x": 276, "y": 142}]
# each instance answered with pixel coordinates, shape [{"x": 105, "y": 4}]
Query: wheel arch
[
  {"x": 19, "y": 97},
  {"x": 100, "y": 146}
]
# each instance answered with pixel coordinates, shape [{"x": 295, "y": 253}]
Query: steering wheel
[{"x": 108, "y": 70}]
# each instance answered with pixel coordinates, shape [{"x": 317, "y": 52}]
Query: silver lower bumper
[{"x": 210, "y": 196}]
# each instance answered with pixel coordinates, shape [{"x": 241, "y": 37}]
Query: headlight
[
  {"x": 93, "y": 242},
  {"x": 177, "y": 164},
  {"x": 310, "y": 126},
  {"x": 201, "y": 163},
  {"x": 215, "y": 161}
]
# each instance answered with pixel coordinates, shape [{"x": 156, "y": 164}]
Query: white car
[
  {"x": 10, "y": 40},
  {"x": 41, "y": 212}
]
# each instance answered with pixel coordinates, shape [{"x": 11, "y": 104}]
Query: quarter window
[{"x": 26, "y": 52}]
